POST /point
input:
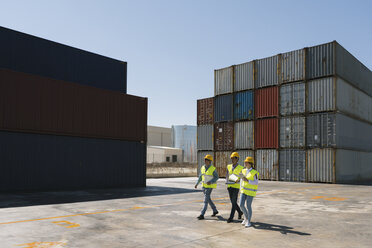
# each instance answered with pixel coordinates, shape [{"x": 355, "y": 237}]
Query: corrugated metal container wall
[
  {"x": 321, "y": 96},
  {"x": 321, "y": 165},
  {"x": 266, "y": 133},
  {"x": 223, "y": 108},
  {"x": 266, "y": 102},
  {"x": 243, "y": 105},
  {"x": 49, "y": 162},
  {"x": 244, "y": 76},
  {"x": 292, "y": 165},
  {"x": 222, "y": 159},
  {"x": 352, "y": 70},
  {"x": 353, "y": 166},
  {"x": 205, "y": 109},
  {"x": 338, "y": 130},
  {"x": 244, "y": 135},
  {"x": 223, "y": 81},
  {"x": 320, "y": 61},
  {"x": 30, "y": 103},
  {"x": 267, "y": 164},
  {"x": 224, "y": 136},
  {"x": 292, "y": 99},
  {"x": 25, "y": 53},
  {"x": 293, "y": 66},
  {"x": 267, "y": 71},
  {"x": 205, "y": 137},
  {"x": 243, "y": 154},
  {"x": 201, "y": 155},
  {"x": 292, "y": 132}
]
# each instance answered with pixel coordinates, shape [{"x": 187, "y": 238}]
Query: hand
[
  {"x": 237, "y": 181},
  {"x": 245, "y": 179},
  {"x": 196, "y": 186},
  {"x": 208, "y": 183}
]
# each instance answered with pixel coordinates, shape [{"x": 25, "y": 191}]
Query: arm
[
  {"x": 215, "y": 177},
  {"x": 199, "y": 180}
]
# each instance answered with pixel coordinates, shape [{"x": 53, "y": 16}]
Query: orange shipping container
[
  {"x": 205, "y": 109},
  {"x": 266, "y": 133}
]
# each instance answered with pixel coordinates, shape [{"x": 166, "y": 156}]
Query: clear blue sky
[{"x": 172, "y": 47}]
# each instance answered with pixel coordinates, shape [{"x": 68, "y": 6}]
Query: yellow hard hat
[
  {"x": 209, "y": 157},
  {"x": 249, "y": 160},
  {"x": 234, "y": 155}
]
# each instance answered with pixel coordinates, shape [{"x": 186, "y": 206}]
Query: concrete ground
[{"x": 164, "y": 215}]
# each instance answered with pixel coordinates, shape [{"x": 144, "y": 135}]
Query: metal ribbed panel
[
  {"x": 243, "y": 105},
  {"x": 223, "y": 108},
  {"x": 223, "y": 81},
  {"x": 321, "y": 95},
  {"x": 321, "y": 130},
  {"x": 222, "y": 159},
  {"x": 292, "y": 164},
  {"x": 292, "y": 132},
  {"x": 266, "y": 133},
  {"x": 244, "y": 76},
  {"x": 267, "y": 164},
  {"x": 293, "y": 66},
  {"x": 201, "y": 155},
  {"x": 223, "y": 136},
  {"x": 292, "y": 99},
  {"x": 243, "y": 154},
  {"x": 320, "y": 165},
  {"x": 266, "y": 102},
  {"x": 320, "y": 61},
  {"x": 353, "y": 166},
  {"x": 205, "y": 137},
  {"x": 205, "y": 109},
  {"x": 244, "y": 135},
  {"x": 267, "y": 71}
]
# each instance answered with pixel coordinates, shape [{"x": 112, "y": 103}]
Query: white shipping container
[
  {"x": 267, "y": 164},
  {"x": 223, "y": 81},
  {"x": 292, "y": 99},
  {"x": 292, "y": 164},
  {"x": 293, "y": 66},
  {"x": 244, "y": 135},
  {"x": 292, "y": 132},
  {"x": 267, "y": 72},
  {"x": 205, "y": 137},
  {"x": 244, "y": 76},
  {"x": 243, "y": 154}
]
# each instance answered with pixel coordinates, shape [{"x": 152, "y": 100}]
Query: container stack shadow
[
  {"x": 66, "y": 120},
  {"x": 304, "y": 115}
]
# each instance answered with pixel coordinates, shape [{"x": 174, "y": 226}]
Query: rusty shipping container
[
  {"x": 30, "y": 103},
  {"x": 223, "y": 81},
  {"x": 267, "y": 164},
  {"x": 222, "y": 159},
  {"x": 224, "y": 136},
  {"x": 37, "y": 162},
  {"x": 26, "y": 53},
  {"x": 266, "y": 102},
  {"x": 205, "y": 110},
  {"x": 266, "y": 133}
]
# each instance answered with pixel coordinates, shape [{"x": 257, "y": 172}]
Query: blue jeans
[
  {"x": 246, "y": 200},
  {"x": 207, "y": 200}
]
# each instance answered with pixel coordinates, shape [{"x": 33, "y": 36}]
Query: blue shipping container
[
  {"x": 29, "y": 54},
  {"x": 243, "y": 105},
  {"x": 34, "y": 162},
  {"x": 223, "y": 108}
]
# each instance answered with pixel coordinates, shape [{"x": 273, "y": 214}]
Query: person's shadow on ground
[{"x": 278, "y": 228}]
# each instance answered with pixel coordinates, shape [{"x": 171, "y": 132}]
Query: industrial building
[
  {"x": 304, "y": 115},
  {"x": 66, "y": 120}
]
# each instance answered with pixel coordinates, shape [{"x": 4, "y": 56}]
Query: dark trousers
[{"x": 233, "y": 193}]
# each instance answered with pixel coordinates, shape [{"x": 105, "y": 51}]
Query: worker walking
[
  {"x": 248, "y": 189},
  {"x": 233, "y": 181},
  {"x": 208, "y": 176}
]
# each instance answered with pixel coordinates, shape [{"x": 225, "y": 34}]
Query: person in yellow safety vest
[
  {"x": 248, "y": 189},
  {"x": 233, "y": 170},
  {"x": 208, "y": 176}
]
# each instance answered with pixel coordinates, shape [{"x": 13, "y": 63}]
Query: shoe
[
  {"x": 244, "y": 222},
  {"x": 248, "y": 224},
  {"x": 214, "y": 214},
  {"x": 229, "y": 220},
  {"x": 200, "y": 217},
  {"x": 240, "y": 216}
]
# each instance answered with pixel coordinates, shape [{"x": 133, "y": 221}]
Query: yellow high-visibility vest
[
  {"x": 246, "y": 187},
  {"x": 236, "y": 172},
  {"x": 209, "y": 172}
]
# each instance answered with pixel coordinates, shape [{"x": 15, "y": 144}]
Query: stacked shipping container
[
  {"x": 65, "y": 120},
  {"x": 304, "y": 113}
]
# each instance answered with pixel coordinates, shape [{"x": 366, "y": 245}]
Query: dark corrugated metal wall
[
  {"x": 49, "y": 162},
  {"x": 30, "y": 54}
]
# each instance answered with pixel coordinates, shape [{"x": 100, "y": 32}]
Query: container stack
[
  {"x": 66, "y": 121},
  {"x": 310, "y": 112}
]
